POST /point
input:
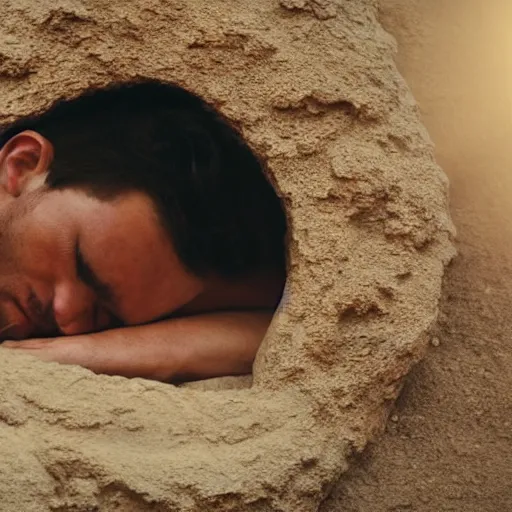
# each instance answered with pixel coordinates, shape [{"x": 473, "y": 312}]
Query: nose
[{"x": 74, "y": 308}]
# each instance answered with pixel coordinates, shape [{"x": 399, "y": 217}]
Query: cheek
[
  {"x": 131, "y": 273},
  {"x": 140, "y": 278},
  {"x": 150, "y": 285}
]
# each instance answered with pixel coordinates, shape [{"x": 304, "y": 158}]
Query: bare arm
[{"x": 193, "y": 347}]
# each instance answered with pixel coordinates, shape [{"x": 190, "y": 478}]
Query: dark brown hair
[{"x": 221, "y": 212}]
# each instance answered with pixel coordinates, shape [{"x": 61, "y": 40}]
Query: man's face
[{"x": 72, "y": 263}]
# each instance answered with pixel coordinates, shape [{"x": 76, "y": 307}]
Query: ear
[{"x": 24, "y": 162}]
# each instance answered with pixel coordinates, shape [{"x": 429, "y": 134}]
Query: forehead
[
  {"x": 129, "y": 220},
  {"x": 62, "y": 216},
  {"x": 82, "y": 206}
]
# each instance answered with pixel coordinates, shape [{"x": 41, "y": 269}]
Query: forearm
[
  {"x": 215, "y": 344},
  {"x": 194, "y": 347}
]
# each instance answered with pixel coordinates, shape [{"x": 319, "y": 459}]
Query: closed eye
[{"x": 87, "y": 275}]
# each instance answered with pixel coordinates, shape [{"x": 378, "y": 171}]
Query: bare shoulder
[{"x": 257, "y": 292}]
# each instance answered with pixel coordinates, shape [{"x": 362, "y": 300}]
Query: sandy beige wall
[{"x": 456, "y": 55}]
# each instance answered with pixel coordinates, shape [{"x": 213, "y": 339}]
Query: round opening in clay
[{"x": 164, "y": 214}]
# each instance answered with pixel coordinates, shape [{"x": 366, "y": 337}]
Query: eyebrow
[{"x": 86, "y": 274}]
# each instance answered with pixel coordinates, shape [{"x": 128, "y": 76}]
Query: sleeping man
[{"x": 138, "y": 237}]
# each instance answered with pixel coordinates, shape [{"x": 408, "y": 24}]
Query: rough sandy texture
[
  {"x": 449, "y": 444},
  {"x": 314, "y": 89}
]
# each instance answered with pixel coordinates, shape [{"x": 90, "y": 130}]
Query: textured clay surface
[{"x": 314, "y": 90}]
